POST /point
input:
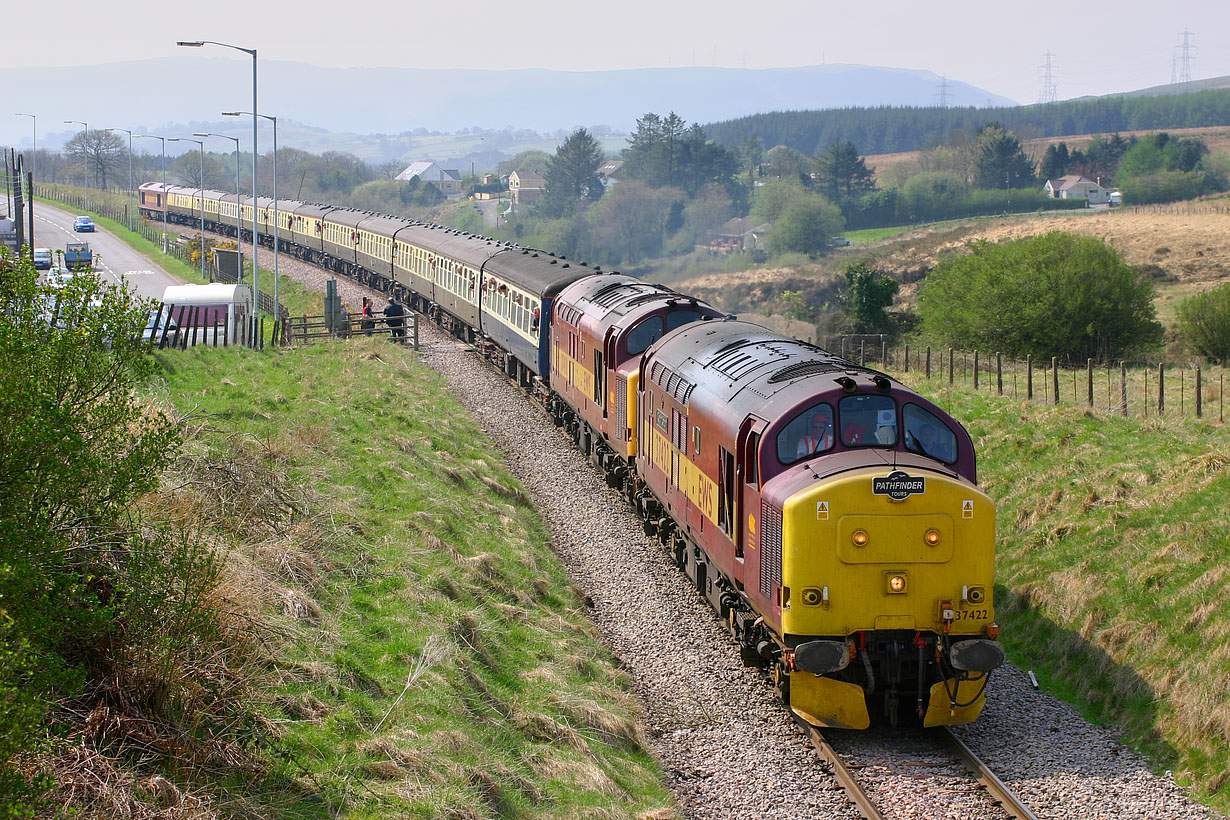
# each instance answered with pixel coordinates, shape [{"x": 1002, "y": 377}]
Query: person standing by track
[{"x": 394, "y": 315}]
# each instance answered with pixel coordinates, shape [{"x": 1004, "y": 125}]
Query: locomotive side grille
[
  {"x": 621, "y": 406},
  {"x": 770, "y": 548}
]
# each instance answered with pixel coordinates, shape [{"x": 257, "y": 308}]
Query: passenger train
[{"x": 829, "y": 514}]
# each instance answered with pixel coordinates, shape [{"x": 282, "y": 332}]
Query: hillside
[
  {"x": 1185, "y": 246},
  {"x": 1217, "y": 138}
]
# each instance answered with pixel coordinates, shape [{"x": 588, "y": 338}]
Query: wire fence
[{"x": 1140, "y": 389}]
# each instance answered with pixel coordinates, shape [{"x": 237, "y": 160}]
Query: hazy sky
[{"x": 1098, "y": 47}]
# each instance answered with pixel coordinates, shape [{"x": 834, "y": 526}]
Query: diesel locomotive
[{"x": 829, "y": 514}]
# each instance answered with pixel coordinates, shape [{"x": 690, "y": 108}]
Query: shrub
[
  {"x": 1204, "y": 323},
  {"x": 1053, "y": 295}
]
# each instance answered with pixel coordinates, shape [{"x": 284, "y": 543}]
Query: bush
[
  {"x": 1164, "y": 186},
  {"x": 1053, "y": 295},
  {"x": 1204, "y": 323}
]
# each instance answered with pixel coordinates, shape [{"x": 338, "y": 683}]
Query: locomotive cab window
[
  {"x": 679, "y": 318},
  {"x": 646, "y": 332},
  {"x": 868, "y": 421},
  {"x": 927, "y": 435},
  {"x": 808, "y": 433}
]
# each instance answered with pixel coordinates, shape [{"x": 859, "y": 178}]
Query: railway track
[{"x": 999, "y": 794}]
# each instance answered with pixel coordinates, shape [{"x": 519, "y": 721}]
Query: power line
[
  {"x": 1049, "y": 92},
  {"x": 942, "y": 92},
  {"x": 1181, "y": 62}
]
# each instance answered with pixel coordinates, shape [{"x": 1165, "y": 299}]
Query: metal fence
[{"x": 310, "y": 329}]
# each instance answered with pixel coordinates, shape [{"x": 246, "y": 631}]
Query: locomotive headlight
[
  {"x": 896, "y": 583},
  {"x": 860, "y": 538},
  {"x": 811, "y": 596},
  {"x": 933, "y": 537},
  {"x": 976, "y": 595}
]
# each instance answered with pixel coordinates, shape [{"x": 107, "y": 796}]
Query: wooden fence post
[
  {"x": 1029, "y": 376},
  {"x": 1123, "y": 387},
  {"x": 928, "y": 361},
  {"x": 975, "y": 371},
  {"x": 1055, "y": 376},
  {"x": 883, "y": 351},
  {"x": 907, "y": 358},
  {"x": 862, "y": 353},
  {"x": 1199, "y": 396},
  {"x": 1089, "y": 365},
  {"x": 951, "y": 359},
  {"x": 999, "y": 372},
  {"x": 1146, "y": 401},
  {"x": 1161, "y": 388}
]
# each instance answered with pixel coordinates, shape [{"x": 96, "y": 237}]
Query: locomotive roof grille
[{"x": 800, "y": 369}]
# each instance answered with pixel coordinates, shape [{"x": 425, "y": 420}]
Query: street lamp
[
  {"x": 34, "y": 150},
  {"x": 130, "y": 189},
  {"x": 238, "y": 226},
  {"x": 200, "y": 190},
  {"x": 255, "y": 107},
  {"x": 84, "y": 158},
  {"x": 276, "y": 225},
  {"x": 166, "y": 205}
]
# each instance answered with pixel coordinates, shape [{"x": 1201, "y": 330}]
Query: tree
[
  {"x": 534, "y": 160},
  {"x": 99, "y": 153},
  {"x": 773, "y": 196},
  {"x": 187, "y": 169},
  {"x": 1055, "y": 161},
  {"x": 572, "y": 174},
  {"x": 806, "y": 225},
  {"x": 788, "y": 163},
  {"x": 630, "y": 223},
  {"x": 1053, "y": 295},
  {"x": 707, "y": 210},
  {"x": 842, "y": 174},
  {"x": 999, "y": 160},
  {"x": 1204, "y": 323},
  {"x": 665, "y": 152},
  {"x": 866, "y": 297}
]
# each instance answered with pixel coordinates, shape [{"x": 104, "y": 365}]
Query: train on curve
[{"x": 828, "y": 513}]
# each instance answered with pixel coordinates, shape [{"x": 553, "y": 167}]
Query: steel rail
[
  {"x": 1003, "y": 795},
  {"x": 844, "y": 776}
]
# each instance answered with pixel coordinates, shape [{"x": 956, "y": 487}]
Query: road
[{"x": 114, "y": 259}]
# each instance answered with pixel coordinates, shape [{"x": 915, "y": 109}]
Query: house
[
  {"x": 743, "y": 234},
  {"x": 445, "y": 180},
  {"x": 608, "y": 172},
  {"x": 1074, "y": 186},
  {"x": 526, "y": 186}
]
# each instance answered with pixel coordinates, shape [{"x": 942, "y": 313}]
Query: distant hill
[
  {"x": 158, "y": 96},
  {"x": 886, "y": 130}
]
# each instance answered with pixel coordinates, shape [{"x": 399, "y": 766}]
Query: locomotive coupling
[
  {"x": 976, "y": 655},
  {"x": 821, "y": 657}
]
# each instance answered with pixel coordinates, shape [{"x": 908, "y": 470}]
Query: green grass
[
  {"x": 1114, "y": 568},
  {"x": 427, "y": 657}
]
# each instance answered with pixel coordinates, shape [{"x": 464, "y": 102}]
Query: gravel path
[{"x": 727, "y": 745}]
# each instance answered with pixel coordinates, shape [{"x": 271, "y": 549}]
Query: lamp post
[
  {"x": 166, "y": 206},
  {"x": 255, "y": 107},
  {"x": 238, "y": 226},
  {"x": 34, "y": 150},
  {"x": 130, "y": 190},
  {"x": 85, "y": 158},
  {"x": 200, "y": 190},
  {"x": 276, "y": 225}
]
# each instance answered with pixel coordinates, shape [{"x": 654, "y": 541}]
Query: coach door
[{"x": 748, "y": 475}]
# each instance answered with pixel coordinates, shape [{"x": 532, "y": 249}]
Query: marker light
[
  {"x": 932, "y": 537},
  {"x": 860, "y": 538},
  {"x": 896, "y": 584}
]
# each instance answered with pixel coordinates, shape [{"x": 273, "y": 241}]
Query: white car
[{"x": 59, "y": 277}]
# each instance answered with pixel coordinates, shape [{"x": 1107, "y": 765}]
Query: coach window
[
  {"x": 868, "y": 421},
  {"x": 644, "y": 334}
]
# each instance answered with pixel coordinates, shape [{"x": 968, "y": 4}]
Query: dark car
[
  {"x": 42, "y": 259},
  {"x": 83, "y": 224}
]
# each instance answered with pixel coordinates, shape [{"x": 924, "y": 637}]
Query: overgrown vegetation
[
  {"x": 301, "y": 615},
  {"x": 1204, "y": 323},
  {"x": 1112, "y": 568},
  {"x": 1053, "y": 295}
]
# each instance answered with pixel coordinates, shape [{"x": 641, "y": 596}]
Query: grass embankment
[
  {"x": 420, "y": 651},
  {"x": 1114, "y": 568}
]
